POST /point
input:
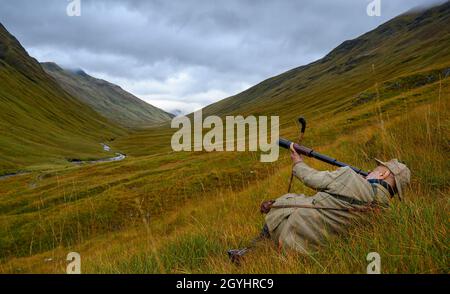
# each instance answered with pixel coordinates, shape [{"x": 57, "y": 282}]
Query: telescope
[{"x": 303, "y": 150}]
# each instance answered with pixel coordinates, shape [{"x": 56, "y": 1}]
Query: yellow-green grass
[
  {"x": 159, "y": 211},
  {"x": 180, "y": 212}
]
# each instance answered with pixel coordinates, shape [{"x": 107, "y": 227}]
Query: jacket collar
[{"x": 383, "y": 184}]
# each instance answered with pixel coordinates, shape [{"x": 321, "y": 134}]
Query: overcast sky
[{"x": 185, "y": 54}]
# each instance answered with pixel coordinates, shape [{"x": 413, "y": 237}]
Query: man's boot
[{"x": 236, "y": 255}]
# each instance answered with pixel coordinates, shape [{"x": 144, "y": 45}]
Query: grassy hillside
[
  {"x": 160, "y": 211},
  {"x": 40, "y": 124},
  {"x": 410, "y": 43},
  {"x": 108, "y": 99},
  {"x": 180, "y": 212}
]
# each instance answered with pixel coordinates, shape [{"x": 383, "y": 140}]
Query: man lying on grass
[{"x": 302, "y": 223}]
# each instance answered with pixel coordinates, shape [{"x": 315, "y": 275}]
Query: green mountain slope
[
  {"x": 178, "y": 212},
  {"x": 409, "y": 44},
  {"x": 108, "y": 99},
  {"x": 40, "y": 122}
]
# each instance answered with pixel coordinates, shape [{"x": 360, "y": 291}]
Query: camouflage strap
[
  {"x": 349, "y": 200},
  {"x": 365, "y": 206},
  {"x": 349, "y": 209}
]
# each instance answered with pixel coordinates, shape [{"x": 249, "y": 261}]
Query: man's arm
[{"x": 318, "y": 180}]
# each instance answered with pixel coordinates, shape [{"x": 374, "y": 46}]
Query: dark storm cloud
[{"x": 188, "y": 53}]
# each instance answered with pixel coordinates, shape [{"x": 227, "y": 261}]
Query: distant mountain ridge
[
  {"x": 106, "y": 98},
  {"x": 39, "y": 121}
]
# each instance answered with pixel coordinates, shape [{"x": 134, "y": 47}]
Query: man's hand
[{"x": 296, "y": 158}]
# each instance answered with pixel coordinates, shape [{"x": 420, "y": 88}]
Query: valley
[{"x": 384, "y": 95}]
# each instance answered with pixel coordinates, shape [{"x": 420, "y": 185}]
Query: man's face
[{"x": 379, "y": 173}]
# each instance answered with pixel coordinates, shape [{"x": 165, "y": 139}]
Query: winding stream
[
  {"x": 118, "y": 157},
  {"x": 13, "y": 175}
]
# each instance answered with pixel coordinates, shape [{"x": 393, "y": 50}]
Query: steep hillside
[
  {"x": 108, "y": 99},
  {"x": 408, "y": 44},
  {"x": 39, "y": 122},
  {"x": 178, "y": 212}
]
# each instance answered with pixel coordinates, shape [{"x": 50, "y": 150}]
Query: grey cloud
[{"x": 189, "y": 52}]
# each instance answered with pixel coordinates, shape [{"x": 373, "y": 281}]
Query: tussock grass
[
  {"x": 164, "y": 212},
  {"x": 412, "y": 236}
]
